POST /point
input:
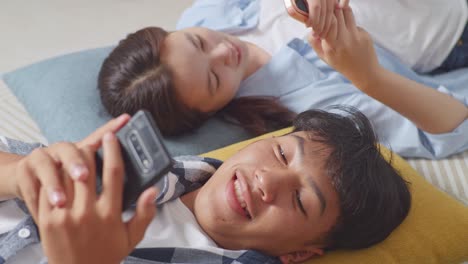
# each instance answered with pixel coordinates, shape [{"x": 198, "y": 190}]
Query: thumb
[{"x": 145, "y": 211}]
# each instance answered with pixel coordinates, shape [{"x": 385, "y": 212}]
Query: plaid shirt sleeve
[{"x": 17, "y": 147}]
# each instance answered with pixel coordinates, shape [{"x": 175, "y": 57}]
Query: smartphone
[
  {"x": 297, "y": 9},
  {"x": 145, "y": 156}
]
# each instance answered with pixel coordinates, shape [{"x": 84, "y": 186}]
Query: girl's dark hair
[
  {"x": 133, "y": 77},
  {"x": 374, "y": 198},
  {"x": 258, "y": 115}
]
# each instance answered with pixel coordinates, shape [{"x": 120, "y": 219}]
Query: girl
[{"x": 190, "y": 74}]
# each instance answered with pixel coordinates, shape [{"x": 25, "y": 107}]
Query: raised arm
[
  {"x": 350, "y": 50},
  {"x": 432, "y": 111}
]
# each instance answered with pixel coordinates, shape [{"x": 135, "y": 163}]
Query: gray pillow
[{"x": 61, "y": 95}]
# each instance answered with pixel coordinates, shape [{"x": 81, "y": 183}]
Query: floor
[{"x": 36, "y": 30}]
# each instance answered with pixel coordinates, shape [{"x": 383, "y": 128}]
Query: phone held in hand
[
  {"x": 297, "y": 9},
  {"x": 146, "y": 159}
]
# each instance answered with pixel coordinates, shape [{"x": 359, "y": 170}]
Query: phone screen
[{"x": 302, "y": 5}]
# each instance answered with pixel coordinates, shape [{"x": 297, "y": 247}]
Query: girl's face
[{"x": 208, "y": 66}]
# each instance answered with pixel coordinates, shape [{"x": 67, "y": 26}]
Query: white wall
[{"x": 32, "y": 30}]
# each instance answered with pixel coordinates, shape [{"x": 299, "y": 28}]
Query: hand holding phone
[
  {"x": 91, "y": 228},
  {"x": 145, "y": 156},
  {"x": 317, "y": 14}
]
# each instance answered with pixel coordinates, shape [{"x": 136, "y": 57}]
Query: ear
[{"x": 301, "y": 256}]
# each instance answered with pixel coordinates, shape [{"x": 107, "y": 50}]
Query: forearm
[
  {"x": 7, "y": 174},
  {"x": 432, "y": 111}
]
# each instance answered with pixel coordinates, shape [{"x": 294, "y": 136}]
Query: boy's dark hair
[{"x": 374, "y": 198}]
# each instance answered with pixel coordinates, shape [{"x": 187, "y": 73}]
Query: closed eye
[
  {"x": 299, "y": 202},
  {"x": 282, "y": 155},
  {"x": 202, "y": 46},
  {"x": 201, "y": 43},
  {"x": 216, "y": 79}
]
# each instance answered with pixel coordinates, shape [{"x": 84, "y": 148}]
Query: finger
[
  {"x": 48, "y": 172},
  {"x": 316, "y": 44},
  {"x": 69, "y": 188},
  {"x": 349, "y": 18},
  {"x": 72, "y": 160},
  {"x": 341, "y": 25},
  {"x": 329, "y": 18},
  {"x": 323, "y": 18},
  {"x": 314, "y": 13},
  {"x": 45, "y": 209},
  {"x": 85, "y": 191},
  {"x": 94, "y": 139},
  {"x": 113, "y": 174},
  {"x": 332, "y": 36},
  {"x": 75, "y": 166},
  {"x": 145, "y": 211},
  {"x": 344, "y": 3}
]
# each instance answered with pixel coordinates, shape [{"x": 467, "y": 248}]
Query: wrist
[
  {"x": 8, "y": 176},
  {"x": 13, "y": 179},
  {"x": 369, "y": 81}
]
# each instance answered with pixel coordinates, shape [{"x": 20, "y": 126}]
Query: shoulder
[{"x": 228, "y": 16}]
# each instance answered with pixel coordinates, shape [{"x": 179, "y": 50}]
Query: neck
[
  {"x": 188, "y": 200},
  {"x": 258, "y": 58}
]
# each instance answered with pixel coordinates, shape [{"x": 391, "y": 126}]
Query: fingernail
[
  {"x": 56, "y": 197},
  {"x": 79, "y": 172}
]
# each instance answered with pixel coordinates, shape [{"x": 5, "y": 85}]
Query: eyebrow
[
  {"x": 300, "y": 142},
  {"x": 192, "y": 39}
]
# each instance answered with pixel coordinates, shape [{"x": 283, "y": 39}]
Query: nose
[
  {"x": 270, "y": 183},
  {"x": 222, "y": 53}
]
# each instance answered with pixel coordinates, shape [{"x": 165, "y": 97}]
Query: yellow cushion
[{"x": 435, "y": 231}]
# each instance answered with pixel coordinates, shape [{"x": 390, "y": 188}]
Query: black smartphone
[
  {"x": 146, "y": 159},
  {"x": 298, "y": 9}
]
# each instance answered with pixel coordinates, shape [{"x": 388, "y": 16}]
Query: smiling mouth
[{"x": 240, "y": 198}]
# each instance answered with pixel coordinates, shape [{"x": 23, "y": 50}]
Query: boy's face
[{"x": 272, "y": 196}]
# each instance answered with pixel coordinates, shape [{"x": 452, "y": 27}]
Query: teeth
[
  {"x": 240, "y": 198},
  {"x": 239, "y": 194}
]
